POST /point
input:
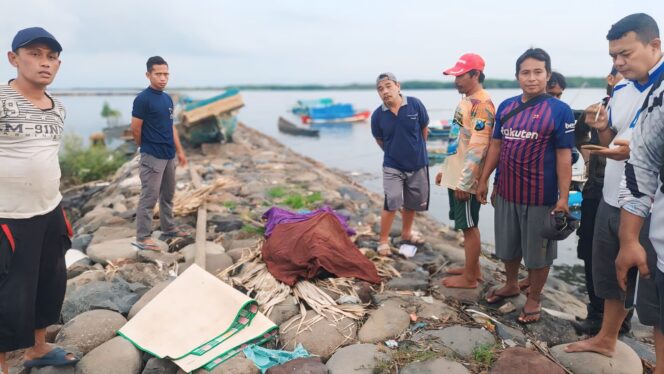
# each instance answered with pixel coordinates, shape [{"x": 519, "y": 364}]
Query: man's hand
[
  {"x": 482, "y": 190},
  {"x": 461, "y": 195},
  {"x": 562, "y": 205},
  {"x": 619, "y": 153},
  {"x": 182, "y": 159},
  {"x": 439, "y": 178},
  {"x": 494, "y": 191},
  {"x": 597, "y": 121},
  {"x": 629, "y": 256}
]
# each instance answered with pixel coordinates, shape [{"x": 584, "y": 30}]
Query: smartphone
[{"x": 632, "y": 288}]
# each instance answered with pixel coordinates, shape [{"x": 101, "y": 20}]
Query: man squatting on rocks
[
  {"x": 153, "y": 130},
  {"x": 635, "y": 47},
  {"x": 532, "y": 141},
  {"x": 400, "y": 128},
  {"x": 35, "y": 233},
  {"x": 463, "y": 166}
]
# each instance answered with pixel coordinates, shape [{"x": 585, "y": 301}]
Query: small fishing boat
[
  {"x": 211, "y": 120},
  {"x": 302, "y": 107},
  {"x": 289, "y": 127},
  {"x": 436, "y": 156},
  {"x": 440, "y": 130},
  {"x": 355, "y": 117}
]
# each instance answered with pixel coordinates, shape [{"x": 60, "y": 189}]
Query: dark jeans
[{"x": 585, "y": 251}]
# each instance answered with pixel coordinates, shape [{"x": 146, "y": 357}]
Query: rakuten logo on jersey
[{"x": 519, "y": 134}]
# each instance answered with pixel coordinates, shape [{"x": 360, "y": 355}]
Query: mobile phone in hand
[{"x": 632, "y": 288}]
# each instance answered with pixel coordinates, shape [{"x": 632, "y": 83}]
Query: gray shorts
[
  {"x": 606, "y": 245},
  {"x": 409, "y": 189},
  {"x": 517, "y": 231}
]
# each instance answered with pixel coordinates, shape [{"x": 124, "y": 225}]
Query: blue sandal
[{"x": 56, "y": 357}]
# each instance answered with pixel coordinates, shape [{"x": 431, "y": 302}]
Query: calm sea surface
[{"x": 349, "y": 148}]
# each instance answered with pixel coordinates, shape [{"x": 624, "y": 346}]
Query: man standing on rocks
[
  {"x": 153, "y": 130},
  {"x": 532, "y": 139},
  {"x": 460, "y": 171},
  {"x": 635, "y": 47},
  {"x": 642, "y": 184},
  {"x": 400, "y": 128},
  {"x": 34, "y": 231}
]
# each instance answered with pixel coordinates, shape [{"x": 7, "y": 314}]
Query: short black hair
[
  {"x": 642, "y": 24},
  {"x": 155, "y": 60},
  {"x": 474, "y": 72},
  {"x": 536, "y": 53},
  {"x": 557, "y": 78}
]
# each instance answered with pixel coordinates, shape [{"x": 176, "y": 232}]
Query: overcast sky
[{"x": 214, "y": 42}]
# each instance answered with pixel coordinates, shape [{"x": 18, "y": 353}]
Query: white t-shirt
[
  {"x": 624, "y": 112},
  {"x": 29, "y": 144}
]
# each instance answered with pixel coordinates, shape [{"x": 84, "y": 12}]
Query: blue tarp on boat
[
  {"x": 228, "y": 93},
  {"x": 332, "y": 111}
]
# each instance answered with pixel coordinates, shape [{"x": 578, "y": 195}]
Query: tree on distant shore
[{"x": 111, "y": 115}]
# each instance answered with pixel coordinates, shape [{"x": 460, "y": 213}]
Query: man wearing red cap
[{"x": 473, "y": 118}]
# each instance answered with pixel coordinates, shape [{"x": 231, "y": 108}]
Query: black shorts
[{"x": 33, "y": 275}]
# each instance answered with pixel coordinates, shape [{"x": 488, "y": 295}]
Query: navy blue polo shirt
[
  {"x": 404, "y": 147},
  {"x": 155, "y": 108}
]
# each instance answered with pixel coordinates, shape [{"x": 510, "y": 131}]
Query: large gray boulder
[
  {"x": 117, "y": 355},
  {"x": 89, "y": 330}
]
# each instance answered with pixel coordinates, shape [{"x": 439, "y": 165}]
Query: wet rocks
[{"x": 416, "y": 280}]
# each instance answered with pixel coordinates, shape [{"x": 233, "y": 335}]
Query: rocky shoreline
[{"x": 412, "y": 324}]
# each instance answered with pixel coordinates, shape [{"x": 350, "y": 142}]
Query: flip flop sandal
[
  {"x": 146, "y": 246},
  {"x": 496, "y": 297},
  {"x": 56, "y": 357},
  {"x": 176, "y": 234},
  {"x": 522, "y": 317},
  {"x": 384, "y": 249}
]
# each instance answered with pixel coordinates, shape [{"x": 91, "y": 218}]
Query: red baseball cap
[{"x": 466, "y": 63}]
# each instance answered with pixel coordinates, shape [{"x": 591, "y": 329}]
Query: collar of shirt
[{"x": 404, "y": 102}]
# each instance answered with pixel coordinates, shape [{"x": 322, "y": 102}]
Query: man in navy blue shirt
[
  {"x": 153, "y": 130},
  {"x": 400, "y": 128}
]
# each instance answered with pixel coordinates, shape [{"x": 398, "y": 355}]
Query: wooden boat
[
  {"x": 288, "y": 127},
  {"x": 440, "y": 130},
  {"x": 357, "y": 117},
  {"x": 211, "y": 120}
]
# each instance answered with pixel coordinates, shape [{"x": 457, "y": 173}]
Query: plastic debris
[
  {"x": 392, "y": 344},
  {"x": 407, "y": 250}
]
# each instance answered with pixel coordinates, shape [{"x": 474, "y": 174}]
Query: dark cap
[
  {"x": 33, "y": 35},
  {"x": 558, "y": 226},
  {"x": 386, "y": 77}
]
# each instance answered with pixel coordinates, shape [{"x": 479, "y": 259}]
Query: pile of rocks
[{"x": 414, "y": 324}]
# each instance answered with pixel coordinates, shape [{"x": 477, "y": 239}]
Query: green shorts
[{"x": 465, "y": 214}]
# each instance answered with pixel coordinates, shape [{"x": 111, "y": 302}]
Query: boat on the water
[
  {"x": 440, "y": 130},
  {"x": 302, "y": 107},
  {"x": 355, "y": 117},
  {"x": 326, "y": 111},
  {"x": 292, "y": 128},
  {"x": 211, "y": 120}
]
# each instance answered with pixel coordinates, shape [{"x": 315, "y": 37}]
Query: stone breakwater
[{"x": 412, "y": 324}]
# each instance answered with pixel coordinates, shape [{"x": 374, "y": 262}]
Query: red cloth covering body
[{"x": 302, "y": 249}]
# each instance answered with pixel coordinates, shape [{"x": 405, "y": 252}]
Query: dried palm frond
[
  {"x": 187, "y": 202},
  {"x": 324, "y": 305},
  {"x": 385, "y": 267}
]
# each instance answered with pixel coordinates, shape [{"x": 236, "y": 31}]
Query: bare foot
[
  {"x": 459, "y": 281},
  {"x": 384, "y": 249},
  {"x": 531, "y": 312},
  {"x": 524, "y": 283},
  {"x": 595, "y": 344},
  {"x": 459, "y": 271},
  {"x": 498, "y": 294}
]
